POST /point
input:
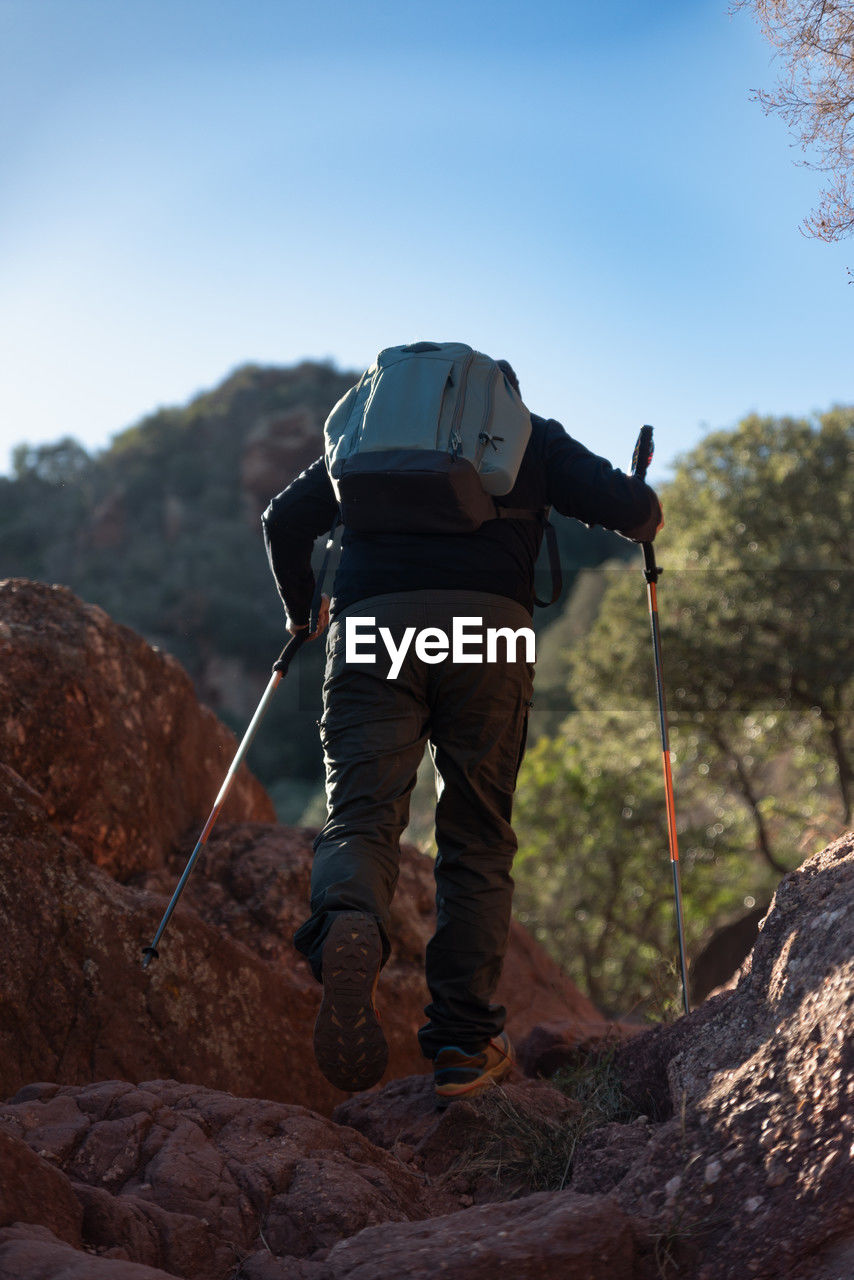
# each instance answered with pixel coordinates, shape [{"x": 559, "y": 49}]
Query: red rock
[
  {"x": 769, "y": 1076},
  {"x": 607, "y": 1154},
  {"x": 494, "y": 1142},
  {"x": 107, "y": 528},
  {"x": 109, "y": 731},
  {"x": 277, "y": 448},
  {"x": 229, "y": 1004},
  {"x": 540, "y": 1237},
  {"x": 33, "y": 1190},
  {"x": 551, "y": 1045},
  {"x": 75, "y": 1003},
  {"x": 742, "y": 1169},
  {"x": 753, "y": 1172},
  {"x": 254, "y": 884},
  {"x": 179, "y": 1177},
  {"x": 34, "y": 1253}
]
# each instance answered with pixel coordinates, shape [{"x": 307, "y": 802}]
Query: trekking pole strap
[{"x": 651, "y": 571}]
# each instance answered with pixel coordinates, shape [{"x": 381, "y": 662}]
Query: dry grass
[{"x": 526, "y": 1151}]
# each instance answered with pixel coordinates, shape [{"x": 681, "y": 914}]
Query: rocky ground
[{"x": 172, "y": 1123}]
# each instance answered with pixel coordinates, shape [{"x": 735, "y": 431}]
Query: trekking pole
[
  {"x": 280, "y": 667},
  {"x": 640, "y": 462}
]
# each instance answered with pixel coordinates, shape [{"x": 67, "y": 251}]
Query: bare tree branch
[{"x": 815, "y": 96}]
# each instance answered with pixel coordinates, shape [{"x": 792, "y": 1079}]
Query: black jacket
[{"x": 499, "y": 557}]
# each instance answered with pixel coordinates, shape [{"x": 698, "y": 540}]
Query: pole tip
[{"x": 149, "y": 954}]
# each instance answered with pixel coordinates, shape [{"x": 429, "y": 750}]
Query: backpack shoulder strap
[
  {"x": 317, "y": 599},
  {"x": 542, "y": 518},
  {"x": 554, "y": 564}
]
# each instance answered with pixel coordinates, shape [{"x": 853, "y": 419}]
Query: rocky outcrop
[
  {"x": 278, "y": 447},
  {"x": 192, "y": 1181},
  {"x": 75, "y": 1004},
  {"x": 254, "y": 887},
  {"x": 229, "y": 1004},
  {"x": 535, "y": 1238},
  {"x": 716, "y": 965},
  {"x": 185, "y": 1131},
  {"x": 32, "y": 1190},
  {"x": 109, "y": 732},
  {"x": 748, "y": 1170},
  {"x": 769, "y": 1077}
]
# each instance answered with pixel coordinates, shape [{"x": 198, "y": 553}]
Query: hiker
[{"x": 391, "y": 587}]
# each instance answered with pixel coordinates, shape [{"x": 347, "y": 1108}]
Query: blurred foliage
[
  {"x": 758, "y": 646},
  {"x": 159, "y": 531}
]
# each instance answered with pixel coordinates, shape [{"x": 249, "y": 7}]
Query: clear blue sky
[{"x": 586, "y": 189}]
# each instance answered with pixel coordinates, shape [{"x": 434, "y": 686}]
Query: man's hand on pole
[{"x": 322, "y": 621}]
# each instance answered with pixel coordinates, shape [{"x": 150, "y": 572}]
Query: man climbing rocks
[{"x": 385, "y": 701}]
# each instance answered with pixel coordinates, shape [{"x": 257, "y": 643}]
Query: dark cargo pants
[{"x": 374, "y": 730}]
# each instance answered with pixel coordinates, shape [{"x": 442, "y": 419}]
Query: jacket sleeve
[
  {"x": 291, "y": 523},
  {"x": 587, "y": 487}
]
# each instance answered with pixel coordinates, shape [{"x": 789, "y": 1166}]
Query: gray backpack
[{"x": 423, "y": 442}]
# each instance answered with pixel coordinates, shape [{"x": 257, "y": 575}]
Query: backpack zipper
[
  {"x": 455, "y": 440},
  {"x": 483, "y": 435}
]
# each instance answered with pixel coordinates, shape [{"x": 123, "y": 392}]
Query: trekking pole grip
[
  {"x": 642, "y": 456},
  {"x": 289, "y": 652}
]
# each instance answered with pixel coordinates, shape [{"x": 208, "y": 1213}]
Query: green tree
[
  {"x": 757, "y": 617},
  {"x": 758, "y": 646},
  {"x": 63, "y": 462},
  {"x": 593, "y": 878}
]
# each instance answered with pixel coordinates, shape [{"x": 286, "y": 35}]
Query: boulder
[
  {"x": 186, "y": 1182},
  {"x": 716, "y": 965},
  {"x": 228, "y": 1004},
  {"x": 253, "y": 885},
  {"x": 538, "y": 1237},
  {"x": 76, "y": 1006},
  {"x": 33, "y": 1190},
  {"x": 507, "y": 1141},
  {"x": 769, "y": 1077},
  {"x": 109, "y": 732},
  {"x": 191, "y": 1180},
  {"x": 751, "y": 1177},
  {"x": 34, "y": 1253}
]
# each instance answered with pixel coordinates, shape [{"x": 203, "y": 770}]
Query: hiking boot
[
  {"x": 349, "y": 1044},
  {"x": 461, "y": 1075}
]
